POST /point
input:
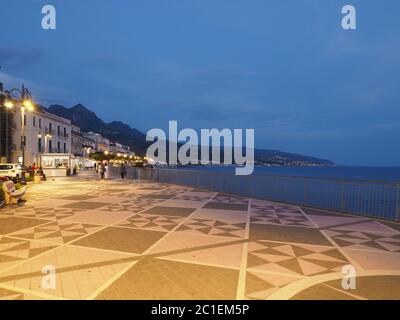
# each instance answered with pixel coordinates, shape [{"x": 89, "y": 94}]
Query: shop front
[{"x": 57, "y": 164}]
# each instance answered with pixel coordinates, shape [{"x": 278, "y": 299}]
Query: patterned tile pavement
[{"x": 119, "y": 239}]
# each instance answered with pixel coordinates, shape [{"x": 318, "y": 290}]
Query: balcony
[
  {"x": 49, "y": 131},
  {"x": 60, "y": 150},
  {"x": 76, "y": 133},
  {"x": 62, "y": 135}
]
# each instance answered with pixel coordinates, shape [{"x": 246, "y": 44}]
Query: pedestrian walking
[
  {"x": 101, "y": 170},
  {"x": 106, "y": 171},
  {"x": 123, "y": 171}
]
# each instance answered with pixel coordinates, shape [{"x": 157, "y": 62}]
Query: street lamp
[
  {"x": 24, "y": 97},
  {"x": 46, "y": 137},
  {"x": 8, "y": 104}
]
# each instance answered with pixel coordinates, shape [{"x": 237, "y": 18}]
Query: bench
[{"x": 11, "y": 195}]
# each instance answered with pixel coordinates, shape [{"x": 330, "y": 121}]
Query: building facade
[
  {"x": 77, "y": 141},
  {"x": 44, "y": 133},
  {"x": 102, "y": 144}
]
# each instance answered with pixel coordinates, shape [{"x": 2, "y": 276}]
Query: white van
[{"x": 10, "y": 170}]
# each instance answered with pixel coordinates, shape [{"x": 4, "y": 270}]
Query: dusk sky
[{"x": 285, "y": 68}]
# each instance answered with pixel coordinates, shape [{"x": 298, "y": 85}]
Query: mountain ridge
[{"x": 119, "y": 131}]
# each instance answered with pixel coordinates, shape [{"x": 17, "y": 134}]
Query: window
[
  {"x": 58, "y": 147},
  {"x": 58, "y": 130},
  {"x": 34, "y": 121},
  {"x": 65, "y": 132},
  {"x": 50, "y": 146},
  {"x": 50, "y": 127},
  {"x": 24, "y": 119},
  {"x": 40, "y": 122},
  {"x": 40, "y": 145},
  {"x": 65, "y": 147}
]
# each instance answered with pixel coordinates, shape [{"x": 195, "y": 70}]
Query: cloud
[
  {"x": 20, "y": 57},
  {"x": 42, "y": 93}
]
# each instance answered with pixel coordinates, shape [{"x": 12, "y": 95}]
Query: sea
[{"x": 373, "y": 174}]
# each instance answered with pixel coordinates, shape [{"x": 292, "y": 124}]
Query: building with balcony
[
  {"x": 77, "y": 141},
  {"x": 101, "y": 144},
  {"x": 44, "y": 133}
]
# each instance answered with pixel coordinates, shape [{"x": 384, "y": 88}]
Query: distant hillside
[
  {"x": 115, "y": 131},
  {"x": 118, "y": 131},
  {"x": 275, "y": 156}
]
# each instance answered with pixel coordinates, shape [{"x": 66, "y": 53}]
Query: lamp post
[
  {"x": 46, "y": 136},
  {"x": 24, "y": 97}
]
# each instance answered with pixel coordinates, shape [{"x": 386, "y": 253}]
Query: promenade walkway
[{"x": 140, "y": 240}]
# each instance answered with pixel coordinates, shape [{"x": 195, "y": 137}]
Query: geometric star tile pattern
[
  {"x": 133, "y": 205},
  {"x": 48, "y": 213},
  {"x": 57, "y": 231},
  {"x": 365, "y": 240},
  {"x": 279, "y": 215},
  {"x": 136, "y": 239},
  {"x": 297, "y": 259},
  {"x": 260, "y": 285},
  {"x": 213, "y": 227},
  {"x": 13, "y": 250},
  {"x": 151, "y": 222}
]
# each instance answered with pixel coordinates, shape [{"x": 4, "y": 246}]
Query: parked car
[{"x": 10, "y": 170}]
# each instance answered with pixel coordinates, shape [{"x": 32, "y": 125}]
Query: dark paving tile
[
  {"x": 170, "y": 280},
  {"x": 114, "y": 190},
  {"x": 157, "y": 196},
  {"x": 322, "y": 212},
  {"x": 6, "y": 294},
  {"x": 226, "y": 206},
  {"x": 151, "y": 188},
  {"x": 393, "y": 225},
  {"x": 287, "y": 234},
  {"x": 121, "y": 239},
  {"x": 13, "y": 224},
  {"x": 78, "y": 197},
  {"x": 373, "y": 287},
  {"x": 170, "y": 211},
  {"x": 85, "y": 205},
  {"x": 322, "y": 292}
]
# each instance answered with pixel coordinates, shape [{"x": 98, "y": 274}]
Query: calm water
[{"x": 389, "y": 174}]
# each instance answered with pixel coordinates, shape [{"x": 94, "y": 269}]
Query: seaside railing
[{"x": 376, "y": 199}]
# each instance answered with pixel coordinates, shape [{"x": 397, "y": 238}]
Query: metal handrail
[{"x": 372, "y": 199}]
